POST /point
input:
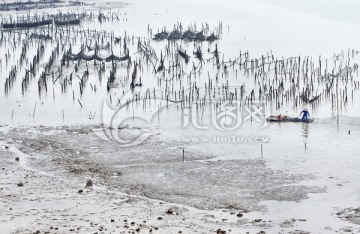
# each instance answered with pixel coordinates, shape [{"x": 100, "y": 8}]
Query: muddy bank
[
  {"x": 34, "y": 201},
  {"x": 155, "y": 169},
  {"x": 350, "y": 214},
  {"x": 45, "y": 186}
]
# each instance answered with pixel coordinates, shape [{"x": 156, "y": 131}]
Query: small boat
[
  {"x": 287, "y": 119},
  {"x": 66, "y": 22},
  {"x": 27, "y": 24}
]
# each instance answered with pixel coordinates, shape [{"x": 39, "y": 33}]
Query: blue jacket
[{"x": 306, "y": 114}]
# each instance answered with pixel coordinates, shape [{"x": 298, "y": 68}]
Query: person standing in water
[{"x": 305, "y": 114}]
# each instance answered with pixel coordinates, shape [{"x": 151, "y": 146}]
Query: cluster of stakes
[
  {"x": 33, "y": 5},
  {"x": 188, "y": 69}
]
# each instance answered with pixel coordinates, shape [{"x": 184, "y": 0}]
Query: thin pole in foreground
[{"x": 183, "y": 155}]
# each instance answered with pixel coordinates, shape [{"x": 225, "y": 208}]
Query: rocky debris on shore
[
  {"x": 299, "y": 232},
  {"x": 239, "y": 215},
  {"x": 89, "y": 183},
  {"x": 169, "y": 211},
  {"x": 350, "y": 214},
  {"x": 290, "y": 222},
  {"x": 220, "y": 231}
]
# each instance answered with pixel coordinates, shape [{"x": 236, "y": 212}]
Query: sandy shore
[
  {"x": 35, "y": 198},
  {"x": 53, "y": 180}
]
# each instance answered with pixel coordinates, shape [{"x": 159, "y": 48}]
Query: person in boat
[{"x": 306, "y": 115}]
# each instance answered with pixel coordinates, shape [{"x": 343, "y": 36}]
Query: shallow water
[{"x": 246, "y": 27}]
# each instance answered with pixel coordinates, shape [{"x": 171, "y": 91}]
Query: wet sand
[{"x": 45, "y": 187}]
